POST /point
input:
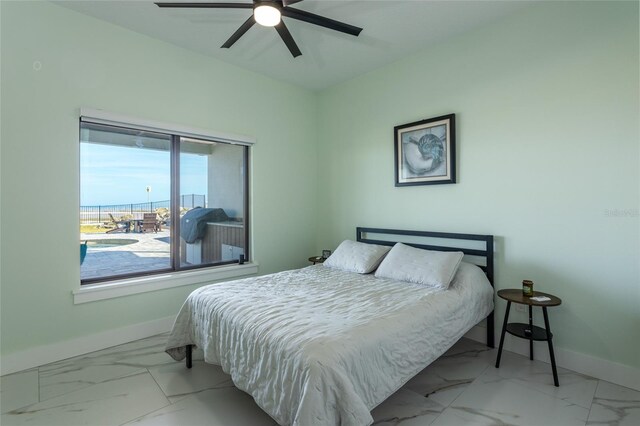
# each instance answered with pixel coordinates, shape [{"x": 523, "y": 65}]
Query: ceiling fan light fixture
[{"x": 267, "y": 15}]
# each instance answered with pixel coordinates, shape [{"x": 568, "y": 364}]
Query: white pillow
[
  {"x": 357, "y": 257},
  {"x": 426, "y": 267}
]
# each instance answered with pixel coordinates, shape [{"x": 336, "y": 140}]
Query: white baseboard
[
  {"x": 46, "y": 354},
  {"x": 610, "y": 371}
]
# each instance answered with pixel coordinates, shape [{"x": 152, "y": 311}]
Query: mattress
[{"x": 321, "y": 346}]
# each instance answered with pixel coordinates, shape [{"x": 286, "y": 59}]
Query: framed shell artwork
[{"x": 425, "y": 151}]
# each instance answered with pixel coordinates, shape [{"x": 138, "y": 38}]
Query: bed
[{"x": 321, "y": 346}]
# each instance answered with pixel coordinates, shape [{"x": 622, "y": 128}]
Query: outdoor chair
[
  {"x": 150, "y": 222},
  {"x": 120, "y": 225}
]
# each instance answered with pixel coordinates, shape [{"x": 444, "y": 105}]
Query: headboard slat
[{"x": 470, "y": 252}]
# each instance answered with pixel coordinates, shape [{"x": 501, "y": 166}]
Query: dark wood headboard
[{"x": 452, "y": 241}]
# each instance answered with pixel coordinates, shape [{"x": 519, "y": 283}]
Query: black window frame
[{"x": 174, "y": 242}]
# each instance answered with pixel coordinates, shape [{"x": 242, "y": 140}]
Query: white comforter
[{"x": 319, "y": 346}]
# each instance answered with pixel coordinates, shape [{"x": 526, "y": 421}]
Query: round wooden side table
[{"x": 529, "y": 331}]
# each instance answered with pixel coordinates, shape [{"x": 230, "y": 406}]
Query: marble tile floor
[{"x": 138, "y": 384}]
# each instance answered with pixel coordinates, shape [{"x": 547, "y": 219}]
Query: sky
[{"x": 112, "y": 174}]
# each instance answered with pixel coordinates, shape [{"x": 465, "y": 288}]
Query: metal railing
[{"x": 100, "y": 213}]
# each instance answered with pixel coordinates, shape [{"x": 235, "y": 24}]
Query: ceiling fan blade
[
  {"x": 208, "y": 5},
  {"x": 286, "y": 3},
  {"x": 288, "y": 39},
  {"x": 239, "y": 32},
  {"x": 322, "y": 21}
]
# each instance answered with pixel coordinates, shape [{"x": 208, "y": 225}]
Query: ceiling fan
[{"x": 269, "y": 13}]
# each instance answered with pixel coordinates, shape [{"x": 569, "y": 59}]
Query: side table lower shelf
[{"x": 520, "y": 329}]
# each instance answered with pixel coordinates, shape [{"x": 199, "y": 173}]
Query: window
[{"x": 154, "y": 202}]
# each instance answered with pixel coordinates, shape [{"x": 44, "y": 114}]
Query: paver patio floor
[{"x": 150, "y": 252}]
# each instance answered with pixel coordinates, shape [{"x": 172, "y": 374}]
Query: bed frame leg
[
  {"x": 189, "y": 355},
  {"x": 490, "y": 331}
]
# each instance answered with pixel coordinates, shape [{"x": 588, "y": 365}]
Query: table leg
[
  {"x": 531, "y": 331},
  {"x": 504, "y": 330},
  {"x": 551, "y": 355}
]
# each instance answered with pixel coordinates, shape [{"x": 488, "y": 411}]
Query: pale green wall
[
  {"x": 87, "y": 62},
  {"x": 547, "y": 109}
]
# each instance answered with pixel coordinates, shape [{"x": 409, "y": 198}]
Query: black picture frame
[
  {"x": 425, "y": 152},
  {"x": 326, "y": 253}
]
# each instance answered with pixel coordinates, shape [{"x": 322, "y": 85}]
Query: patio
[{"x": 150, "y": 252}]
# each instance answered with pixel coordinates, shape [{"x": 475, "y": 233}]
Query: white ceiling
[{"x": 392, "y": 29}]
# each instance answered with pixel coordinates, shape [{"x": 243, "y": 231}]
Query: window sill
[{"x": 112, "y": 289}]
